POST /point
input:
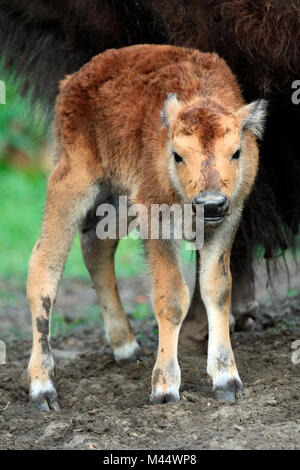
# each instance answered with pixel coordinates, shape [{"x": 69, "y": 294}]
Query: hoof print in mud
[
  {"x": 161, "y": 398},
  {"x": 231, "y": 392}
]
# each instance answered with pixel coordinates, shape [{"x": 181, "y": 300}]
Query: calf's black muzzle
[{"x": 216, "y": 206}]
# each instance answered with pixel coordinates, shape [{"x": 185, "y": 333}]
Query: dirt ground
[{"x": 105, "y": 406}]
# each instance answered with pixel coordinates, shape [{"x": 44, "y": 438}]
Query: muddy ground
[{"x": 105, "y": 406}]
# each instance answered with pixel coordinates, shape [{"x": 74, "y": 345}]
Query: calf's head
[{"x": 213, "y": 155}]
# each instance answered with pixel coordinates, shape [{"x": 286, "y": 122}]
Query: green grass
[
  {"x": 282, "y": 326},
  {"x": 292, "y": 292},
  {"x": 22, "y": 200},
  {"x": 141, "y": 311},
  {"x": 22, "y": 128}
]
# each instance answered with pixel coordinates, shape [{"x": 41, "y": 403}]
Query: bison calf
[{"x": 159, "y": 124}]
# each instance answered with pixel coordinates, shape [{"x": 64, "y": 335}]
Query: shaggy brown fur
[
  {"x": 265, "y": 34},
  {"x": 111, "y": 142}
]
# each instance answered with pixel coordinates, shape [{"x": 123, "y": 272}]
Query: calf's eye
[
  {"x": 177, "y": 157},
  {"x": 236, "y": 155}
]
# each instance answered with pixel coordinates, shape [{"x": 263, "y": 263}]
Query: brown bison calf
[{"x": 159, "y": 124}]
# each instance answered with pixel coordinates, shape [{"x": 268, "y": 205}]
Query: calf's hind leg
[
  {"x": 68, "y": 196},
  {"x": 99, "y": 259}
]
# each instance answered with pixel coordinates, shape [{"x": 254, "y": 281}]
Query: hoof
[
  {"x": 128, "y": 354},
  {"x": 229, "y": 392},
  {"x": 158, "y": 398},
  {"x": 44, "y": 397},
  {"x": 245, "y": 315},
  {"x": 245, "y": 324}
]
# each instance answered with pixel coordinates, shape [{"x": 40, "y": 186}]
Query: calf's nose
[{"x": 215, "y": 203}]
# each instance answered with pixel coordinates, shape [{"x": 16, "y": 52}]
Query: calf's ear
[
  {"x": 253, "y": 117},
  {"x": 170, "y": 110}
]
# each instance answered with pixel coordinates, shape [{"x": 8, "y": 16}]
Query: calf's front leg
[
  {"x": 68, "y": 196},
  {"x": 171, "y": 300},
  {"x": 215, "y": 286}
]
